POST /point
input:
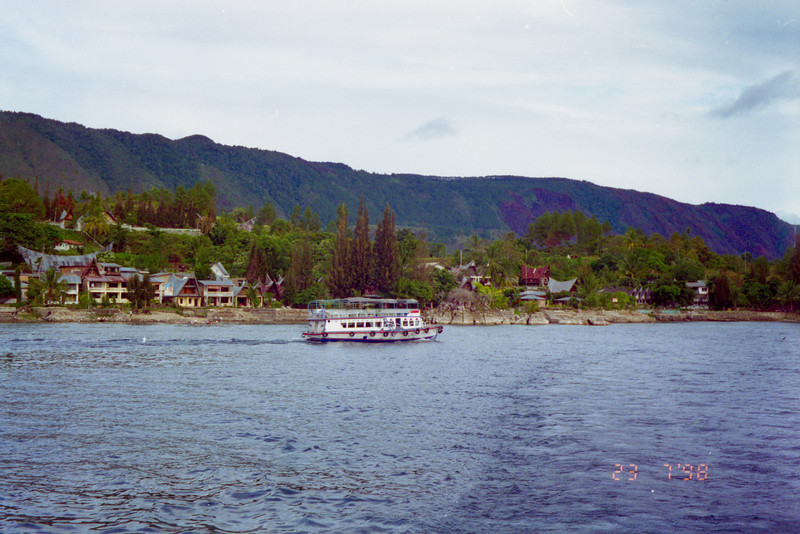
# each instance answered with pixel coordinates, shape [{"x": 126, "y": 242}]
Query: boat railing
[{"x": 343, "y": 312}]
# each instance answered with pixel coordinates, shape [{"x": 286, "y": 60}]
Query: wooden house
[
  {"x": 185, "y": 292},
  {"x": 535, "y": 276},
  {"x": 104, "y": 280},
  {"x": 217, "y": 292}
]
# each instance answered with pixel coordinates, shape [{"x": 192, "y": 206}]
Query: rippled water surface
[{"x": 667, "y": 427}]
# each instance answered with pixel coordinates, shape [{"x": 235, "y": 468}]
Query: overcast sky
[{"x": 695, "y": 100}]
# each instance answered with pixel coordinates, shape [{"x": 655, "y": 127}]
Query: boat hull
[{"x": 427, "y": 333}]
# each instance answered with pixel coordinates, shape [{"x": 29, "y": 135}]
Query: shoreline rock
[
  {"x": 463, "y": 316},
  {"x": 183, "y": 316},
  {"x": 442, "y": 315}
]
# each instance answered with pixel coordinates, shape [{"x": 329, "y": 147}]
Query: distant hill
[{"x": 76, "y": 157}]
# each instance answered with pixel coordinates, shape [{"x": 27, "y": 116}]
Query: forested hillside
[{"x": 71, "y": 156}]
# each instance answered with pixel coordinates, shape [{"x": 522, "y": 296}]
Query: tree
[
  {"x": 266, "y": 214},
  {"x": 794, "y": 263},
  {"x": 408, "y": 246},
  {"x": 51, "y": 287},
  {"x": 634, "y": 238},
  {"x": 17, "y": 196},
  {"x": 542, "y": 228},
  {"x": 95, "y": 222},
  {"x": 789, "y": 294},
  {"x": 140, "y": 291},
  {"x": 566, "y": 227},
  {"x": 720, "y": 296},
  {"x": 311, "y": 220},
  {"x": 6, "y": 287},
  {"x": 299, "y": 276},
  {"x": 119, "y": 237},
  {"x": 257, "y": 264},
  {"x": 202, "y": 264},
  {"x": 252, "y": 296},
  {"x": 666, "y": 295},
  {"x": 503, "y": 257},
  {"x": 18, "y": 283},
  {"x": 688, "y": 270},
  {"x": 295, "y": 217},
  {"x": 589, "y": 286},
  {"x": 339, "y": 276},
  {"x": 387, "y": 256},
  {"x": 443, "y": 282},
  {"x": 361, "y": 257}
]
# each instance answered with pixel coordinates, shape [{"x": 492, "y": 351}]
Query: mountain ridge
[{"x": 448, "y": 208}]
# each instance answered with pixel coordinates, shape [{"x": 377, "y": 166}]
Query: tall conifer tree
[
  {"x": 387, "y": 255},
  {"x": 339, "y": 276},
  {"x": 300, "y": 270},
  {"x": 257, "y": 264},
  {"x": 361, "y": 257}
]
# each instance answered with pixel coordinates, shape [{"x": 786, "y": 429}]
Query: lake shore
[
  {"x": 441, "y": 315},
  {"x": 461, "y": 316}
]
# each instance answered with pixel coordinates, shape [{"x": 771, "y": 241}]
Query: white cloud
[{"x": 433, "y": 129}]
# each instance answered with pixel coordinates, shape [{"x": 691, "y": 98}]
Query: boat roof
[{"x": 364, "y": 302}]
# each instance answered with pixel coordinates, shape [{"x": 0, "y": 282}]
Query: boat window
[
  {"x": 368, "y": 324},
  {"x": 405, "y": 322},
  {"x": 351, "y": 325},
  {"x": 360, "y": 324},
  {"x": 378, "y": 324}
]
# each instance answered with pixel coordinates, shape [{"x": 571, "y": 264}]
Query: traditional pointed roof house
[
  {"x": 556, "y": 286},
  {"x": 38, "y": 262},
  {"x": 643, "y": 296},
  {"x": 219, "y": 271},
  {"x": 63, "y": 218},
  {"x": 535, "y": 277},
  {"x": 272, "y": 286},
  {"x": 248, "y": 225},
  {"x": 104, "y": 280},
  {"x": 184, "y": 292},
  {"x": 470, "y": 274},
  {"x": 534, "y": 295},
  {"x": 240, "y": 294}
]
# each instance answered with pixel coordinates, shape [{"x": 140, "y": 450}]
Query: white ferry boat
[{"x": 367, "y": 319}]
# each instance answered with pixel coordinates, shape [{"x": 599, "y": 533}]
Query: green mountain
[{"x": 448, "y": 209}]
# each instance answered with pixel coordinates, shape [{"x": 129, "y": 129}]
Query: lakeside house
[
  {"x": 183, "y": 292},
  {"x": 101, "y": 280},
  {"x": 66, "y": 245},
  {"x": 537, "y": 296},
  {"x": 642, "y": 295},
  {"x": 217, "y": 292},
  {"x": 700, "y": 290},
  {"x": 467, "y": 276},
  {"x": 534, "y": 276}
]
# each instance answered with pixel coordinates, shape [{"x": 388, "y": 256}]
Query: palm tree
[
  {"x": 96, "y": 223},
  {"x": 252, "y": 296},
  {"x": 634, "y": 238},
  {"x": 52, "y": 287},
  {"x": 589, "y": 286}
]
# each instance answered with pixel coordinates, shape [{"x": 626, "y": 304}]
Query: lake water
[{"x": 654, "y": 428}]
